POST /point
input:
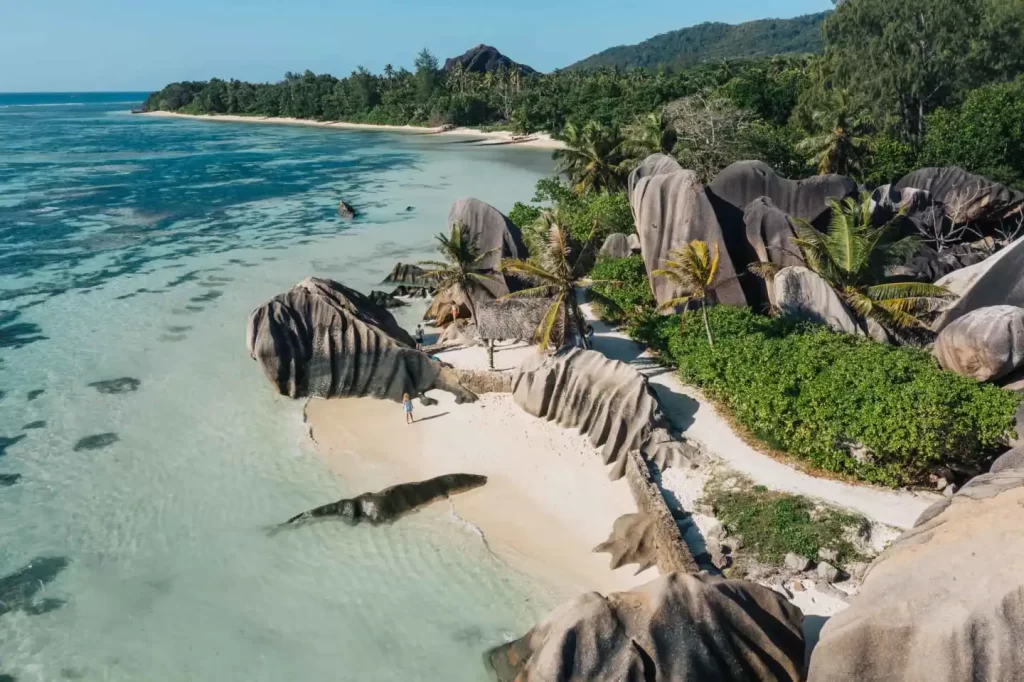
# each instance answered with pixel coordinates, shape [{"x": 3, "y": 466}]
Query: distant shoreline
[{"x": 486, "y": 138}]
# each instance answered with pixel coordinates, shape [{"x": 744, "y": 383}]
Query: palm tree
[
  {"x": 650, "y": 134},
  {"x": 840, "y": 145},
  {"x": 592, "y": 158},
  {"x": 460, "y": 264},
  {"x": 552, "y": 273},
  {"x": 694, "y": 268},
  {"x": 852, "y": 256}
]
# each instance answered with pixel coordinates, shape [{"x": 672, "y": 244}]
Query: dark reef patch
[
  {"x": 96, "y": 441},
  {"x": 18, "y": 334},
  {"x": 113, "y": 386},
  {"x": 172, "y": 338},
  {"x": 32, "y": 395},
  {"x": 18, "y": 589},
  {"x": 8, "y": 442},
  {"x": 208, "y": 296},
  {"x": 7, "y": 480},
  {"x": 34, "y": 425}
]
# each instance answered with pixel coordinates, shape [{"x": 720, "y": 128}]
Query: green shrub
[
  {"x": 615, "y": 303},
  {"x": 823, "y": 396},
  {"x": 773, "y": 524},
  {"x": 611, "y": 210}
]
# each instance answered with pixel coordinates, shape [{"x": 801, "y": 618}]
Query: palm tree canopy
[
  {"x": 694, "y": 268},
  {"x": 461, "y": 262},
  {"x": 839, "y": 146},
  {"x": 592, "y": 158},
  {"x": 650, "y": 134}
]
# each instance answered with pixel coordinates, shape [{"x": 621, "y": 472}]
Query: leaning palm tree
[
  {"x": 650, "y": 134},
  {"x": 461, "y": 264},
  {"x": 840, "y": 146},
  {"x": 694, "y": 268},
  {"x": 853, "y": 255},
  {"x": 553, "y": 273},
  {"x": 591, "y": 158}
]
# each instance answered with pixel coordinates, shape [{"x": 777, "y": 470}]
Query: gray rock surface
[
  {"x": 615, "y": 246},
  {"x": 771, "y": 233},
  {"x": 985, "y": 344},
  {"x": 802, "y": 293},
  {"x": 678, "y": 628},
  {"x": 988, "y": 200},
  {"x": 1011, "y": 459},
  {"x": 407, "y": 274},
  {"x": 633, "y": 241},
  {"x": 671, "y": 552},
  {"x": 930, "y": 266},
  {"x": 608, "y": 400},
  {"x": 390, "y": 504},
  {"x": 945, "y": 601},
  {"x": 997, "y": 280},
  {"x": 495, "y": 235},
  {"x": 326, "y": 340},
  {"x": 385, "y": 300},
  {"x": 672, "y": 209},
  {"x": 345, "y": 211},
  {"x": 485, "y": 59},
  {"x": 796, "y": 562},
  {"x": 655, "y": 164}
]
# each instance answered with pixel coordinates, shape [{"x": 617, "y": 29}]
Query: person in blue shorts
[{"x": 407, "y": 406}]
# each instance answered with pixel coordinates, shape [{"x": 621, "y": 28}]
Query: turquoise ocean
[{"x": 142, "y": 453}]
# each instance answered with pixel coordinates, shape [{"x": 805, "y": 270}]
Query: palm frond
[
  {"x": 675, "y": 303},
  {"x": 549, "y": 324}
]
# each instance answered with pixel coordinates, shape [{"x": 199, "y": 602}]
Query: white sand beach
[{"x": 485, "y": 138}]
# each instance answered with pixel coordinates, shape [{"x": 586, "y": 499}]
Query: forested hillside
[{"x": 714, "y": 42}]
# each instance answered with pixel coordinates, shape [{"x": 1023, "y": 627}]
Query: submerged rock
[
  {"x": 985, "y": 344},
  {"x": 392, "y": 503},
  {"x": 928, "y": 610},
  {"x": 385, "y": 300},
  {"x": 114, "y": 386},
  {"x": 325, "y": 340},
  {"x": 678, "y": 628},
  {"x": 19, "y": 589},
  {"x": 345, "y": 211},
  {"x": 608, "y": 400}
]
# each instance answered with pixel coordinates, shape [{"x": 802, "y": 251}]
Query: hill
[
  {"x": 485, "y": 59},
  {"x": 715, "y": 41}
]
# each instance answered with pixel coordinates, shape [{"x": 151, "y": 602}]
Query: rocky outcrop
[
  {"x": 615, "y": 246},
  {"x": 496, "y": 238},
  {"x": 439, "y": 312},
  {"x": 997, "y": 280},
  {"x": 985, "y": 344},
  {"x": 326, "y": 340},
  {"x": 385, "y": 300},
  {"x": 1011, "y": 459},
  {"x": 678, "y": 628},
  {"x": 802, "y": 293},
  {"x": 485, "y": 59},
  {"x": 390, "y": 504},
  {"x": 607, "y": 400},
  {"x": 655, "y": 164},
  {"x": 945, "y": 602},
  {"x": 974, "y": 198},
  {"x": 929, "y": 265},
  {"x": 633, "y": 242},
  {"x": 672, "y": 209},
  {"x": 771, "y": 233},
  {"x": 345, "y": 211},
  {"x": 409, "y": 275}
]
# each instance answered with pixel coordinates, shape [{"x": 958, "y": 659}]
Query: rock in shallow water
[{"x": 678, "y": 628}]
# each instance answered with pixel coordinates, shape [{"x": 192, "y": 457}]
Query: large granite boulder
[
  {"x": 408, "y": 275},
  {"x": 997, "y": 280},
  {"x": 655, "y": 164},
  {"x": 802, "y": 293},
  {"x": 678, "y": 628},
  {"x": 485, "y": 59},
  {"x": 615, "y": 246},
  {"x": 608, "y": 400},
  {"x": 771, "y": 233},
  {"x": 326, "y": 340},
  {"x": 633, "y": 241},
  {"x": 671, "y": 210},
  {"x": 945, "y": 601},
  {"x": 930, "y": 265},
  {"x": 974, "y": 198},
  {"x": 985, "y": 344}
]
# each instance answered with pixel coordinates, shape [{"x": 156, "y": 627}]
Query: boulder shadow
[
  {"x": 680, "y": 409},
  {"x": 811, "y": 627}
]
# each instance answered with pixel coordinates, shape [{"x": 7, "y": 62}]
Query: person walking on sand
[
  {"x": 407, "y": 407},
  {"x": 419, "y": 337}
]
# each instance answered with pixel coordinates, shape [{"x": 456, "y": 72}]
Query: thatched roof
[{"x": 512, "y": 319}]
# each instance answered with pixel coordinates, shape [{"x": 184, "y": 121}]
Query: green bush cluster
[
  {"x": 616, "y": 302},
  {"x": 576, "y": 213},
  {"x": 881, "y": 413}
]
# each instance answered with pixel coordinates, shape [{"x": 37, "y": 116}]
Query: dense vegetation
[
  {"x": 714, "y": 41},
  {"x": 885, "y": 414}
]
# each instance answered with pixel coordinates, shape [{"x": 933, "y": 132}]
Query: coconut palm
[
  {"x": 592, "y": 158},
  {"x": 460, "y": 265},
  {"x": 553, "y": 273},
  {"x": 650, "y": 134},
  {"x": 694, "y": 268},
  {"x": 840, "y": 145},
  {"x": 852, "y": 256}
]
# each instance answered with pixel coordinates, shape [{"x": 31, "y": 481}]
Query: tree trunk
[
  {"x": 490, "y": 353},
  {"x": 707, "y": 325}
]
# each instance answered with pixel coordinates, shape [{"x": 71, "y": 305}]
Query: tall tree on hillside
[
  {"x": 650, "y": 134},
  {"x": 592, "y": 158},
  {"x": 428, "y": 76},
  {"x": 840, "y": 144},
  {"x": 460, "y": 264}
]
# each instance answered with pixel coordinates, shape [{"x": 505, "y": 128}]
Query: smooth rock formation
[
  {"x": 633, "y": 242},
  {"x": 678, "y": 628},
  {"x": 997, "y": 280},
  {"x": 930, "y": 266},
  {"x": 1011, "y": 459},
  {"x": 325, "y": 340},
  {"x": 385, "y": 300},
  {"x": 671, "y": 210},
  {"x": 409, "y": 275},
  {"x": 945, "y": 601},
  {"x": 345, "y": 211},
  {"x": 440, "y": 310},
  {"x": 802, "y": 293},
  {"x": 977, "y": 198},
  {"x": 485, "y": 59},
  {"x": 18, "y": 590},
  {"x": 671, "y": 553},
  {"x": 606, "y": 399},
  {"x": 985, "y": 344},
  {"x": 655, "y": 164},
  {"x": 495, "y": 234},
  {"x": 615, "y": 246},
  {"x": 390, "y": 504},
  {"x": 771, "y": 233}
]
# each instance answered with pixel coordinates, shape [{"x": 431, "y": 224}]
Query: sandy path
[
  {"x": 547, "y": 502},
  {"x": 485, "y": 138}
]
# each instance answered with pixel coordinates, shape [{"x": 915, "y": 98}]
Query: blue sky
[{"x": 58, "y": 45}]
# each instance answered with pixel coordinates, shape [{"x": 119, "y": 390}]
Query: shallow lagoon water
[{"x": 147, "y": 452}]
